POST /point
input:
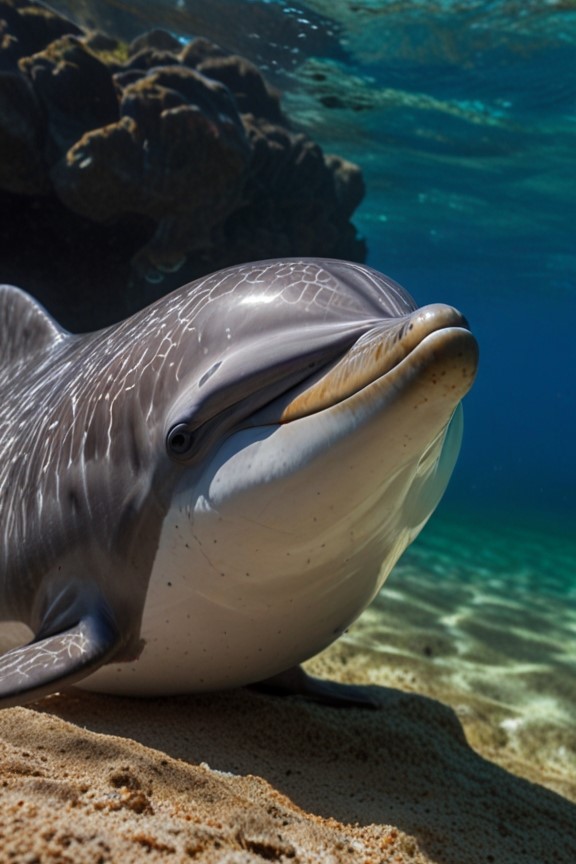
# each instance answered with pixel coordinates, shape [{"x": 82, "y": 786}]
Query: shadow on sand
[{"x": 407, "y": 765}]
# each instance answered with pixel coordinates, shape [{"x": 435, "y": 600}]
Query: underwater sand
[
  {"x": 483, "y": 618},
  {"x": 480, "y": 619}
]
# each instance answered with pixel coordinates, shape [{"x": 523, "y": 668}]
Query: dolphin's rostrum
[{"x": 210, "y": 492}]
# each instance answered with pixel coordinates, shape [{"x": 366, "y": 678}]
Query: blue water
[{"x": 466, "y": 135}]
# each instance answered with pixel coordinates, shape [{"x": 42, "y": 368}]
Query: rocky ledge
[{"x": 129, "y": 169}]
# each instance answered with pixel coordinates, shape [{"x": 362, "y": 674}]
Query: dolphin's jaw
[
  {"x": 397, "y": 342},
  {"x": 287, "y": 533}
]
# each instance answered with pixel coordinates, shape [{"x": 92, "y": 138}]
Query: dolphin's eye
[{"x": 179, "y": 440}]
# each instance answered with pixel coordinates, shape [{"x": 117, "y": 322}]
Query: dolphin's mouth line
[
  {"x": 377, "y": 355},
  {"x": 387, "y": 356}
]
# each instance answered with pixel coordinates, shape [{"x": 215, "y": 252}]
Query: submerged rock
[
  {"x": 75, "y": 91},
  {"x": 22, "y": 133},
  {"x": 27, "y": 27},
  {"x": 178, "y": 155},
  {"x": 181, "y": 154}
]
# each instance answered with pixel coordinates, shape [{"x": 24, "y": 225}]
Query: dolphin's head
[
  {"x": 316, "y": 354},
  {"x": 308, "y": 333},
  {"x": 310, "y": 448}
]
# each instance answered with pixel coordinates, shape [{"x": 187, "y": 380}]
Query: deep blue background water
[
  {"x": 467, "y": 138},
  {"x": 462, "y": 115}
]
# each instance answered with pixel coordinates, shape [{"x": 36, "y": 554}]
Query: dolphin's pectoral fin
[
  {"x": 297, "y": 682},
  {"x": 47, "y": 664}
]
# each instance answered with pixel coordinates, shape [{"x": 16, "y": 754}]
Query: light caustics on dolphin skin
[{"x": 209, "y": 492}]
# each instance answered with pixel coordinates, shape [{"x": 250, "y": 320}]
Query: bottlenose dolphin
[{"x": 209, "y": 492}]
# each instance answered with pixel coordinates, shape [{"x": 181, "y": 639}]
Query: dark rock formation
[
  {"x": 177, "y": 155},
  {"x": 75, "y": 91},
  {"x": 126, "y": 170}
]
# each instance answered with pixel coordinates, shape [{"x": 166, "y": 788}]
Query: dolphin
[{"x": 210, "y": 492}]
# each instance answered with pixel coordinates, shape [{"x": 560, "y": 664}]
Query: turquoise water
[
  {"x": 482, "y": 616},
  {"x": 462, "y": 116}
]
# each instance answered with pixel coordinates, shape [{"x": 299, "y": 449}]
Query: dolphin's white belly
[
  {"x": 206, "y": 627},
  {"x": 246, "y": 586},
  {"x": 208, "y": 624}
]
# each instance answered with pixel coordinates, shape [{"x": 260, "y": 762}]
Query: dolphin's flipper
[
  {"x": 297, "y": 682},
  {"x": 46, "y": 664}
]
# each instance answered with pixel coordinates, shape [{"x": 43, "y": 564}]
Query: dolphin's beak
[{"x": 427, "y": 335}]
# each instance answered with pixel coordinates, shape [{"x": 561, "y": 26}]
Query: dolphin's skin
[{"x": 210, "y": 492}]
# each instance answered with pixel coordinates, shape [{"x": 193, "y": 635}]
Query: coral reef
[{"x": 128, "y": 169}]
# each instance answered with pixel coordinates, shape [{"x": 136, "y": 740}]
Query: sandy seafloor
[{"x": 472, "y": 758}]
